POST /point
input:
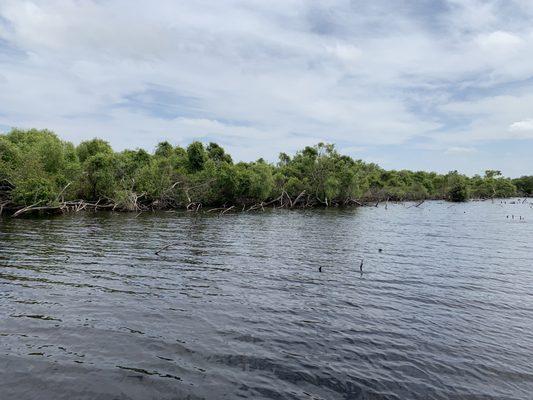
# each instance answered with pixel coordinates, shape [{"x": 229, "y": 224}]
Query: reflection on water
[{"x": 236, "y": 306}]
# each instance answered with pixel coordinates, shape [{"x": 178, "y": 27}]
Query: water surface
[{"x": 235, "y": 307}]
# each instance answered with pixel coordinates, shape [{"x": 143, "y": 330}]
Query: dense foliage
[
  {"x": 524, "y": 185},
  {"x": 36, "y": 167}
]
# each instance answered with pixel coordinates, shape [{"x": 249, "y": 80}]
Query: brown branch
[
  {"x": 297, "y": 198},
  {"x": 63, "y": 191},
  {"x": 226, "y": 210},
  {"x": 216, "y": 209},
  {"x": 2, "y": 205},
  {"x": 417, "y": 205},
  {"x": 273, "y": 201},
  {"x": 166, "y": 247},
  {"x": 26, "y": 209}
]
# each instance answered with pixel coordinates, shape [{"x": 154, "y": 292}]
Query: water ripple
[{"x": 235, "y": 306}]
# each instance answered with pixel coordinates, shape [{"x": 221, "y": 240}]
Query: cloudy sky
[{"x": 419, "y": 84}]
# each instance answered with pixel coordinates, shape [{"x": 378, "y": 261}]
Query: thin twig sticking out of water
[
  {"x": 418, "y": 204},
  {"x": 166, "y": 247}
]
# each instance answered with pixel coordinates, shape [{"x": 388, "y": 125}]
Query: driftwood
[
  {"x": 166, "y": 247},
  {"x": 132, "y": 202},
  {"x": 256, "y": 207},
  {"x": 66, "y": 206},
  {"x": 352, "y": 201},
  {"x": 216, "y": 209},
  {"x": 26, "y": 209},
  {"x": 418, "y": 204},
  {"x": 222, "y": 210},
  {"x": 273, "y": 201},
  {"x": 226, "y": 210},
  {"x": 297, "y": 199},
  {"x": 194, "y": 207}
]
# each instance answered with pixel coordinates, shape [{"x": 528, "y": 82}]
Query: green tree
[
  {"x": 164, "y": 149},
  {"x": 457, "y": 187},
  {"x": 92, "y": 147},
  {"x": 99, "y": 171},
  {"x": 524, "y": 185},
  {"x": 217, "y": 153},
  {"x": 36, "y": 166},
  {"x": 196, "y": 156}
]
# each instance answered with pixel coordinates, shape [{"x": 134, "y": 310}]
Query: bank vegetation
[{"x": 41, "y": 172}]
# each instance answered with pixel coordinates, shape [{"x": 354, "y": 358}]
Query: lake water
[{"x": 236, "y": 306}]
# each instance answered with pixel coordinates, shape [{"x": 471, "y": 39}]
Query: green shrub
[
  {"x": 37, "y": 166},
  {"x": 458, "y": 192},
  {"x": 34, "y": 190}
]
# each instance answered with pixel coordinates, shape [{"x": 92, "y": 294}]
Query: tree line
[{"x": 38, "y": 169}]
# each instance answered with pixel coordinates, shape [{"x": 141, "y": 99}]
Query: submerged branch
[
  {"x": 418, "y": 204},
  {"x": 26, "y": 209},
  {"x": 166, "y": 247}
]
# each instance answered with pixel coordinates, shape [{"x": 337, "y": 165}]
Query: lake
[{"x": 234, "y": 306}]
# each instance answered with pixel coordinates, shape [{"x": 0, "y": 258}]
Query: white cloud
[
  {"x": 499, "y": 41},
  {"x": 348, "y": 54},
  {"x": 460, "y": 150},
  {"x": 355, "y": 151},
  {"x": 525, "y": 125}
]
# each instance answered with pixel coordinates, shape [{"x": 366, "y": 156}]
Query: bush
[
  {"x": 196, "y": 156},
  {"x": 92, "y": 147},
  {"x": 34, "y": 190},
  {"x": 99, "y": 171},
  {"x": 458, "y": 192},
  {"x": 35, "y": 165}
]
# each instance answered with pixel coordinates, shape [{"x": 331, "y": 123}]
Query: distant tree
[
  {"x": 92, "y": 147},
  {"x": 196, "y": 156},
  {"x": 10, "y": 158},
  {"x": 37, "y": 167},
  {"x": 99, "y": 171},
  {"x": 491, "y": 173},
  {"x": 217, "y": 153},
  {"x": 284, "y": 159},
  {"x": 457, "y": 187},
  {"x": 524, "y": 185},
  {"x": 164, "y": 149}
]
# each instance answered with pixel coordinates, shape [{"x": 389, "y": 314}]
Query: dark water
[{"x": 236, "y": 308}]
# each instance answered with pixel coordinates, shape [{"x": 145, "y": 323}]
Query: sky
[{"x": 434, "y": 85}]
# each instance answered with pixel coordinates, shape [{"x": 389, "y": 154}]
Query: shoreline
[{"x": 74, "y": 207}]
